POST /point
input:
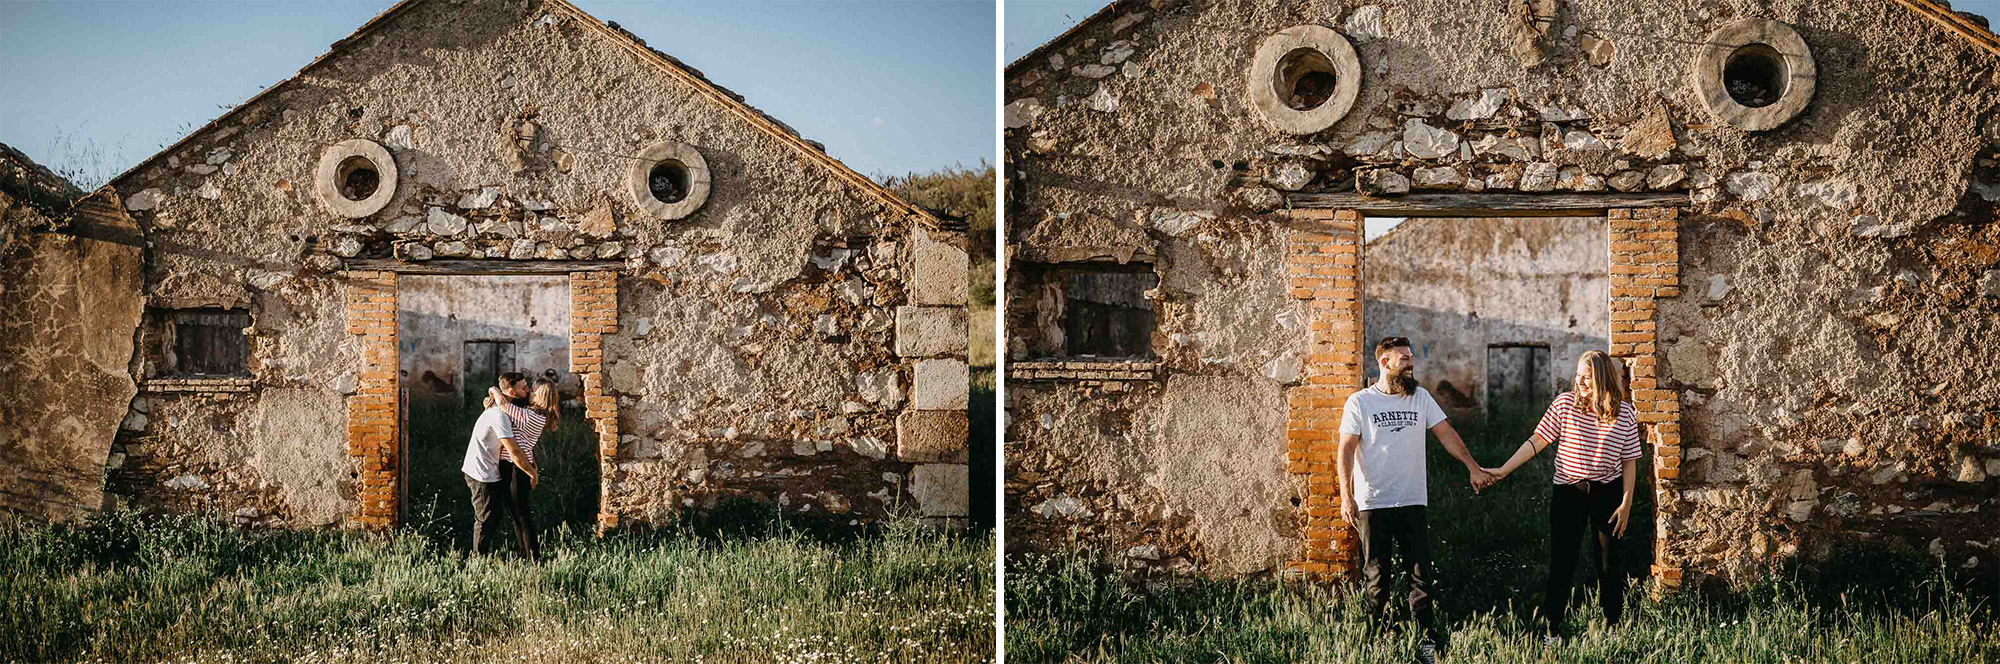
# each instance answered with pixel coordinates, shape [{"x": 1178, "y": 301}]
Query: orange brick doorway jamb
[
  {"x": 374, "y": 441},
  {"x": 1323, "y": 262}
]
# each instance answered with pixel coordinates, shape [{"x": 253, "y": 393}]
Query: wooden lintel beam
[
  {"x": 480, "y": 267},
  {"x": 1486, "y": 205}
]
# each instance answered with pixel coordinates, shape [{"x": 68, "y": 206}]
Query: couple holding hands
[{"x": 1381, "y": 467}]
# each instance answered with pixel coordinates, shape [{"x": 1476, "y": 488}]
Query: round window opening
[
  {"x": 668, "y": 181},
  {"x": 1755, "y": 75},
  {"x": 1305, "y": 79},
  {"x": 358, "y": 178}
]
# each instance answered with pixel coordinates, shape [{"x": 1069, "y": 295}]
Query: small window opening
[
  {"x": 668, "y": 181},
  {"x": 1108, "y": 314},
  {"x": 1082, "y": 310},
  {"x": 358, "y": 178},
  {"x": 1305, "y": 79},
  {"x": 1755, "y": 75},
  {"x": 204, "y": 342}
]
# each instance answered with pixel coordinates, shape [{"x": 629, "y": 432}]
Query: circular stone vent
[
  {"x": 669, "y": 180},
  {"x": 1755, "y": 74},
  {"x": 1304, "y": 78},
  {"x": 355, "y": 178}
]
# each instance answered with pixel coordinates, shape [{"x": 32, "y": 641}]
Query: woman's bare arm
[{"x": 1527, "y": 451}]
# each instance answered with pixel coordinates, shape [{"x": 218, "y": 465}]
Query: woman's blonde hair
[
  {"x": 545, "y": 399},
  {"x": 1607, "y": 380}
]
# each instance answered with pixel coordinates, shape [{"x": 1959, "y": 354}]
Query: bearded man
[{"x": 1383, "y": 487}]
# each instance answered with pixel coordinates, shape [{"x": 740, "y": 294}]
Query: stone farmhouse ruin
[
  {"x": 1793, "y": 205},
  {"x": 243, "y": 322}
]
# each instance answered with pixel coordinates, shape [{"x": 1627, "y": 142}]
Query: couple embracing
[
  {"x": 1381, "y": 468},
  {"x": 500, "y": 459}
]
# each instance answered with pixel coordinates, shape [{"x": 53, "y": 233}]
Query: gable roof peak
[{"x": 812, "y": 151}]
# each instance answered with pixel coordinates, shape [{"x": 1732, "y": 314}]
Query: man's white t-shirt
[
  {"x": 482, "y": 455},
  {"x": 1390, "y": 469}
]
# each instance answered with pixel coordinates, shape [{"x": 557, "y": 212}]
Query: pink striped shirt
[
  {"x": 1587, "y": 449},
  {"x": 527, "y": 430}
]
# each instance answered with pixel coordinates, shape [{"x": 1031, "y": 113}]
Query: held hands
[{"x": 1482, "y": 478}]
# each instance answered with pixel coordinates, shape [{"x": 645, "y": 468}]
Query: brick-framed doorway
[
  {"x": 373, "y": 433},
  {"x": 1325, "y": 266}
]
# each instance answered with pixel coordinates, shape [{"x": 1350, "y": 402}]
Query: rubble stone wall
[
  {"x": 67, "y": 308},
  {"x": 795, "y": 339},
  {"x": 1827, "y": 340}
]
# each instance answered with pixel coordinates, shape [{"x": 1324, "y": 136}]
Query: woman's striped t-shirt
[
  {"x": 1587, "y": 449},
  {"x": 528, "y": 426}
]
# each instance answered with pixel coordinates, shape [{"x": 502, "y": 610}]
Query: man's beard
[
  {"x": 1404, "y": 382},
  {"x": 520, "y": 401}
]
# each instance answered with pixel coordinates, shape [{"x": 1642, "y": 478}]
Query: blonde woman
[
  {"x": 540, "y": 413},
  {"x": 1597, "y": 455}
]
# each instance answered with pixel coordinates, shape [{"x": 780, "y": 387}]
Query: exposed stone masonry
[{"x": 1081, "y": 371}]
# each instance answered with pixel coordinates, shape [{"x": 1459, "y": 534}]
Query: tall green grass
[
  {"x": 1490, "y": 552},
  {"x": 1067, "y": 608},
  {"x": 129, "y": 588}
]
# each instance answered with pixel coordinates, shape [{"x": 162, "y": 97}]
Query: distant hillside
[
  {"x": 967, "y": 194},
  {"x": 959, "y": 193}
]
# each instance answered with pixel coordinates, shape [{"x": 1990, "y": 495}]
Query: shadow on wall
[
  {"x": 456, "y": 333},
  {"x": 1474, "y": 365},
  {"x": 443, "y": 357}
]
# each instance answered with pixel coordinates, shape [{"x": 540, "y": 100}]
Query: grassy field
[
  {"x": 980, "y": 326},
  {"x": 1491, "y": 551},
  {"x": 185, "y": 589}
]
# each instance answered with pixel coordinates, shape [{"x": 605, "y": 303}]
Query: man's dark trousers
[
  {"x": 1382, "y": 532},
  {"x": 489, "y": 499}
]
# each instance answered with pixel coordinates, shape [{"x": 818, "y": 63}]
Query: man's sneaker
[
  {"x": 1427, "y": 652},
  {"x": 1551, "y": 640}
]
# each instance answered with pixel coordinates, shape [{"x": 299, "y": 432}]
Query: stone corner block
[
  {"x": 927, "y": 436},
  {"x": 930, "y": 331},
  {"x": 941, "y": 489},
  {"x": 941, "y": 384},
  {"x": 939, "y": 272}
]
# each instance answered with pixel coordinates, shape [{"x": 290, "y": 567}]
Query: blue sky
[
  {"x": 1030, "y": 23},
  {"x": 889, "y": 87}
]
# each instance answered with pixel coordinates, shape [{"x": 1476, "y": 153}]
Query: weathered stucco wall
[
  {"x": 1830, "y": 351},
  {"x": 1457, "y": 286},
  {"x": 435, "y": 316},
  {"x": 758, "y": 349},
  {"x": 67, "y": 307}
]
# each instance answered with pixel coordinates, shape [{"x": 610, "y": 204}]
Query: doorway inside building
[
  {"x": 455, "y": 336},
  {"x": 1498, "y": 311}
]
